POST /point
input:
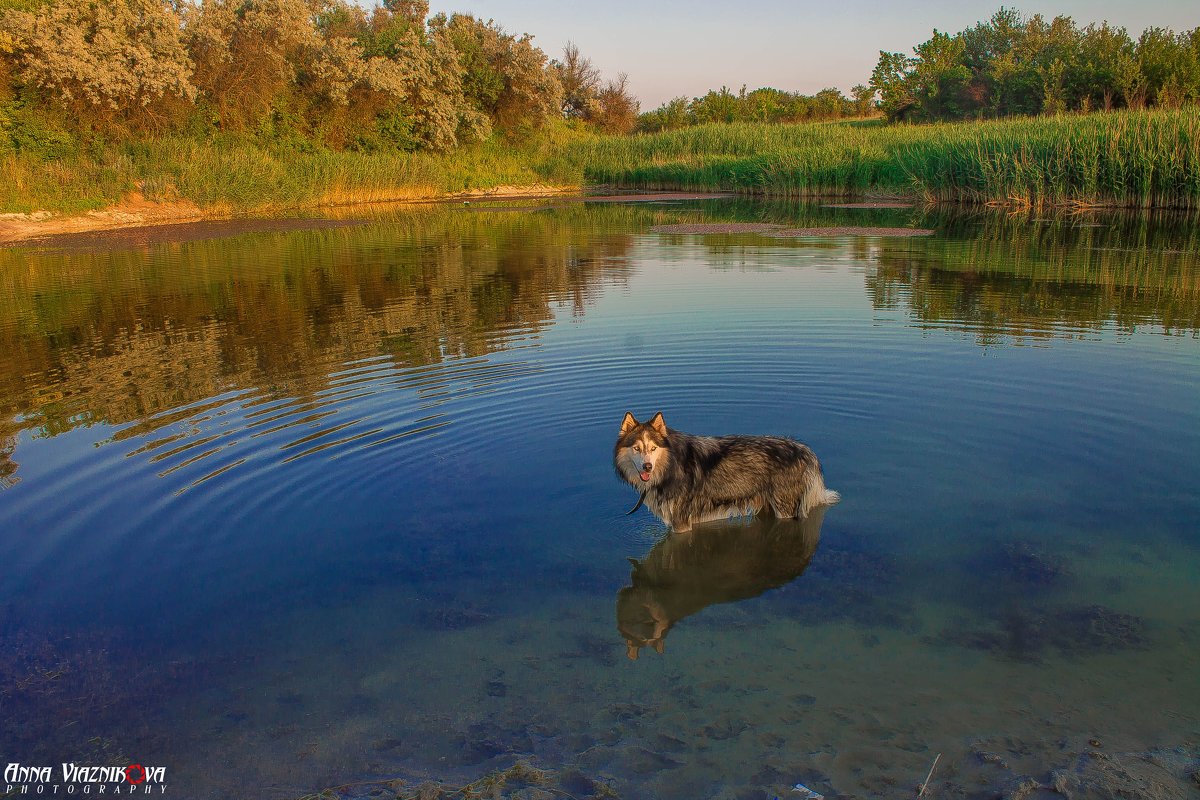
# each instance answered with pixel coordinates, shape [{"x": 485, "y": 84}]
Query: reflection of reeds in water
[
  {"x": 142, "y": 336},
  {"x": 176, "y": 337},
  {"x": 1002, "y": 275},
  {"x": 8, "y": 467},
  {"x": 998, "y": 274}
]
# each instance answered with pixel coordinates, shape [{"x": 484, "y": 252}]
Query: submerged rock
[
  {"x": 1019, "y": 567},
  {"x": 1098, "y": 629},
  {"x": 725, "y": 729},
  {"x": 1029, "y": 564},
  {"x": 643, "y": 761},
  {"x": 577, "y": 784},
  {"x": 486, "y": 740}
]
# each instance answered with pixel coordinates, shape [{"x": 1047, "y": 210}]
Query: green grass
[
  {"x": 243, "y": 174},
  {"x": 1128, "y": 159},
  {"x": 1131, "y": 159}
]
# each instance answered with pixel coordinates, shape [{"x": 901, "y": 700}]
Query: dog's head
[
  {"x": 641, "y": 620},
  {"x": 643, "y": 450}
]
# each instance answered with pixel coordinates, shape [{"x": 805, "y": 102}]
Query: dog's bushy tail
[{"x": 815, "y": 493}]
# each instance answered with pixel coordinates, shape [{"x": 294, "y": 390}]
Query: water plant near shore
[
  {"x": 1146, "y": 159},
  {"x": 1126, "y": 159}
]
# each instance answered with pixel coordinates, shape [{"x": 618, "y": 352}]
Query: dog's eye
[
  {"x": 637, "y": 449},
  {"x": 652, "y": 448}
]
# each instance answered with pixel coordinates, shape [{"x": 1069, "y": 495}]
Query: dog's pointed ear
[
  {"x": 658, "y": 424},
  {"x": 628, "y": 424}
]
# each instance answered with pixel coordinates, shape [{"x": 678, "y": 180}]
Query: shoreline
[{"x": 135, "y": 211}]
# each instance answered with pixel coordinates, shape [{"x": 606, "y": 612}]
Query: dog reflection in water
[{"x": 719, "y": 563}]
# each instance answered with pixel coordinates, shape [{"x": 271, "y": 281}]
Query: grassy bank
[
  {"x": 244, "y": 174},
  {"x": 1130, "y": 159}
]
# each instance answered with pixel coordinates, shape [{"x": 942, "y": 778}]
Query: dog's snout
[{"x": 646, "y": 466}]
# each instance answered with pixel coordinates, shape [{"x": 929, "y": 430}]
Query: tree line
[
  {"x": 1010, "y": 65},
  {"x": 326, "y": 71},
  {"x": 759, "y": 105},
  {"x": 392, "y": 77},
  {"x": 1013, "y": 65}
]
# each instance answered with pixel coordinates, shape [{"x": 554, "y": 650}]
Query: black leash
[{"x": 641, "y": 500}]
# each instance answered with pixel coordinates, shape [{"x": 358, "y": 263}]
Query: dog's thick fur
[{"x": 686, "y": 479}]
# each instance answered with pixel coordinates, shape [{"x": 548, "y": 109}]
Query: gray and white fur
[{"x": 686, "y": 479}]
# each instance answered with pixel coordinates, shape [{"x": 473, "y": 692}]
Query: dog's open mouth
[{"x": 644, "y": 475}]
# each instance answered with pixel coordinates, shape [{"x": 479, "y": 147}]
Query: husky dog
[{"x": 686, "y": 479}]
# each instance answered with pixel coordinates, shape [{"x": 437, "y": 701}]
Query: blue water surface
[{"x": 302, "y": 506}]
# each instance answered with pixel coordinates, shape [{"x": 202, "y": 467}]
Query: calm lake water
[{"x": 299, "y": 506}]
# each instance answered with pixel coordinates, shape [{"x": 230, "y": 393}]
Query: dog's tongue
[{"x": 645, "y": 476}]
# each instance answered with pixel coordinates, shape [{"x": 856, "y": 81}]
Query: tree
[
  {"x": 1168, "y": 64},
  {"x": 864, "y": 99},
  {"x": 764, "y": 105},
  {"x": 616, "y": 109},
  {"x": 1100, "y": 52},
  {"x": 716, "y": 106},
  {"x": 351, "y": 91},
  {"x": 122, "y": 60},
  {"x": 670, "y": 116},
  {"x": 433, "y": 111},
  {"x": 247, "y": 52},
  {"x": 580, "y": 82},
  {"x": 504, "y": 76},
  {"x": 939, "y": 78},
  {"x": 893, "y": 80},
  {"x": 1191, "y": 64},
  {"x": 414, "y": 12},
  {"x": 986, "y": 46},
  {"x": 829, "y": 104},
  {"x": 1131, "y": 81}
]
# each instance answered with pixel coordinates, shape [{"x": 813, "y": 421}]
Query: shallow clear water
[{"x": 291, "y": 508}]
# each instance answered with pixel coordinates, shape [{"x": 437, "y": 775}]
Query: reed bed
[
  {"x": 1148, "y": 159},
  {"x": 1125, "y": 159}
]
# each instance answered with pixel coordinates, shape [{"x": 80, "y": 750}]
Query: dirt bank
[
  {"x": 135, "y": 211},
  {"x": 176, "y": 233}
]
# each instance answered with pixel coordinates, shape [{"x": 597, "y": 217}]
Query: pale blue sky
[{"x": 681, "y": 47}]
